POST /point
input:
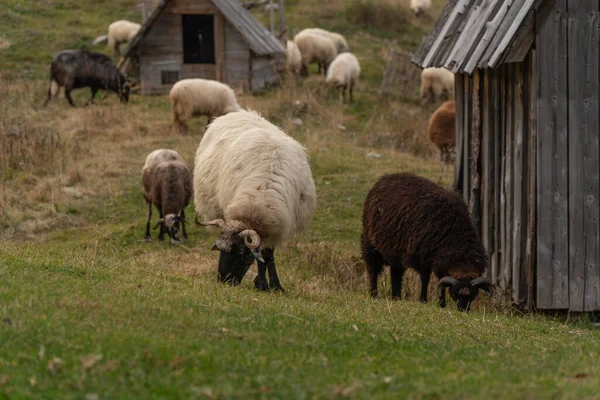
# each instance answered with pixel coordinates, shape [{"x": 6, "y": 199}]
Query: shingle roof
[
  {"x": 478, "y": 34},
  {"x": 256, "y": 36}
]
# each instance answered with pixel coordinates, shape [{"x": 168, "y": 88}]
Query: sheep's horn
[
  {"x": 484, "y": 284},
  {"x": 447, "y": 281},
  {"x": 215, "y": 222},
  {"x": 251, "y": 238},
  {"x": 159, "y": 223}
]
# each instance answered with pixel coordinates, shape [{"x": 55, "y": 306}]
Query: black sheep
[
  {"x": 74, "y": 69},
  {"x": 409, "y": 221}
]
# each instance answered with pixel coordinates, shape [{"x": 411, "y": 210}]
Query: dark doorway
[{"x": 198, "y": 39}]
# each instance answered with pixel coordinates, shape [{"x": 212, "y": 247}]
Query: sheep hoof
[
  {"x": 148, "y": 239},
  {"x": 175, "y": 241},
  {"x": 261, "y": 285}
]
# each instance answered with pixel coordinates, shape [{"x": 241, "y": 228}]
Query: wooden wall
[
  {"x": 162, "y": 49},
  {"x": 237, "y": 59},
  {"x": 528, "y": 162},
  {"x": 493, "y": 174}
]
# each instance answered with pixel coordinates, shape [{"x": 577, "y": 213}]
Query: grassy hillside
[{"x": 88, "y": 309}]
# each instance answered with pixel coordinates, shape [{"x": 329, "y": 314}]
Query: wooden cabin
[
  {"x": 528, "y": 162},
  {"x": 210, "y": 39}
]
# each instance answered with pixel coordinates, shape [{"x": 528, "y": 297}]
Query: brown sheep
[
  {"x": 409, "y": 221},
  {"x": 167, "y": 182},
  {"x": 442, "y": 130}
]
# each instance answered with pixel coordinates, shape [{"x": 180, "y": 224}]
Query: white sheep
[
  {"x": 343, "y": 73},
  {"x": 167, "y": 183},
  {"x": 339, "y": 40},
  {"x": 293, "y": 58},
  {"x": 252, "y": 181},
  {"x": 315, "y": 48},
  {"x": 436, "y": 81},
  {"x": 196, "y": 97},
  {"x": 120, "y": 32},
  {"x": 420, "y": 6}
]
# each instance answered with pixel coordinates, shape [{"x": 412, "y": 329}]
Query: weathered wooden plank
[
  {"x": 502, "y": 102},
  {"x": 475, "y": 150},
  {"x": 552, "y": 157},
  {"x": 509, "y": 105},
  {"x": 519, "y": 182},
  {"x": 219, "y": 32},
  {"x": 530, "y": 258},
  {"x": 460, "y": 98},
  {"x": 584, "y": 185},
  {"x": 509, "y": 35},
  {"x": 428, "y": 41},
  {"x": 494, "y": 122},
  {"x": 466, "y": 117},
  {"x": 486, "y": 163}
]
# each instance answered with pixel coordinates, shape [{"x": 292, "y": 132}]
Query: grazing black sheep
[
  {"x": 74, "y": 69},
  {"x": 409, "y": 221}
]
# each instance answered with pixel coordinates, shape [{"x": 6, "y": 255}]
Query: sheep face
[
  {"x": 463, "y": 291},
  {"x": 239, "y": 247},
  {"x": 171, "y": 223}
]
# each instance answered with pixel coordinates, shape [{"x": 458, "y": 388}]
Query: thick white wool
[
  {"x": 339, "y": 40},
  {"x": 119, "y": 32},
  {"x": 293, "y": 57},
  {"x": 253, "y": 175},
  {"x": 196, "y": 97},
  {"x": 315, "y": 48},
  {"x": 344, "y": 70},
  {"x": 435, "y": 80}
]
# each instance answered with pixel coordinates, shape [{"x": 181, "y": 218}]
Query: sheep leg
[
  {"x": 49, "y": 97},
  {"x": 397, "y": 272},
  {"x": 351, "y": 96},
  {"x": 183, "y": 232},
  {"x": 425, "y": 276},
  {"x": 374, "y": 262},
  {"x": 268, "y": 255},
  {"x": 91, "y": 100},
  {"x": 68, "y": 96},
  {"x": 344, "y": 94},
  {"x": 147, "y": 236},
  {"x": 260, "y": 281},
  {"x": 161, "y": 234}
]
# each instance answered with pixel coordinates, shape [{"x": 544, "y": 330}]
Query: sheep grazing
[
  {"x": 197, "y": 97},
  {"x": 293, "y": 58},
  {"x": 442, "y": 130},
  {"x": 167, "y": 183},
  {"x": 409, "y": 221},
  {"x": 253, "y": 182},
  {"x": 343, "y": 73},
  {"x": 341, "y": 45},
  {"x": 420, "y": 6},
  {"x": 435, "y": 82},
  {"x": 315, "y": 48},
  {"x": 74, "y": 69},
  {"x": 120, "y": 32}
]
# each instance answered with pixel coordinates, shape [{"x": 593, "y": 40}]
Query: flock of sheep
[{"x": 252, "y": 183}]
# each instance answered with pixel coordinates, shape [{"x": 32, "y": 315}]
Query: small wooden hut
[
  {"x": 211, "y": 39},
  {"x": 528, "y": 161}
]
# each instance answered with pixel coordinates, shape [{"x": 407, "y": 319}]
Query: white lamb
[
  {"x": 339, "y": 40},
  {"x": 253, "y": 182},
  {"x": 120, "y": 32},
  {"x": 434, "y": 82},
  {"x": 420, "y": 6},
  {"x": 196, "y": 97},
  {"x": 343, "y": 73},
  {"x": 315, "y": 48},
  {"x": 293, "y": 58}
]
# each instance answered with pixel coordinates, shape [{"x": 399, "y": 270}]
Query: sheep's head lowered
[
  {"x": 239, "y": 247},
  {"x": 124, "y": 89},
  {"x": 170, "y": 223},
  {"x": 463, "y": 291}
]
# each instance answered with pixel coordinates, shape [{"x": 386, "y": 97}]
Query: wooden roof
[
  {"x": 256, "y": 36},
  {"x": 479, "y": 34}
]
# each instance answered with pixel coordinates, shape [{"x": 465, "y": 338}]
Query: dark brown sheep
[
  {"x": 167, "y": 184},
  {"x": 73, "y": 69},
  {"x": 442, "y": 130},
  {"x": 409, "y": 221}
]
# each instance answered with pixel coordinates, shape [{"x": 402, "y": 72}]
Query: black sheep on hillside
[
  {"x": 74, "y": 69},
  {"x": 409, "y": 221}
]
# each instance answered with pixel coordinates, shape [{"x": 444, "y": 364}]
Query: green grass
[{"x": 90, "y": 310}]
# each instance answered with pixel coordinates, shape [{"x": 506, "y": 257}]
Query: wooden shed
[
  {"x": 528, "y": 162},
  {"x": 210, "y": 39}
]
